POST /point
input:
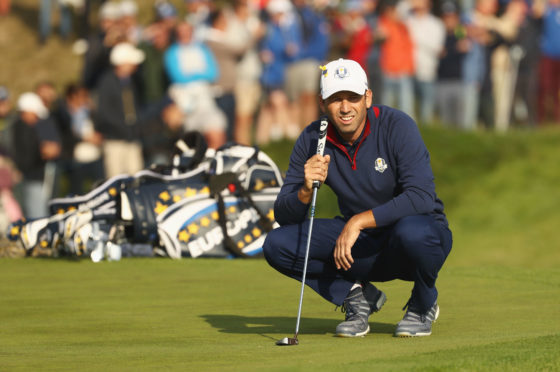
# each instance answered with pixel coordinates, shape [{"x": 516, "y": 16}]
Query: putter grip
[{"x": 321, "y": 142}]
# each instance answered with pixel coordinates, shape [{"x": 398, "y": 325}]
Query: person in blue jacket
[{"x": 392, "y": 224}]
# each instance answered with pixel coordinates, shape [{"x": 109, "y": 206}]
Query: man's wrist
[
  {"x": 364, "y": 220},
  {"x": 304, "y": 195}
]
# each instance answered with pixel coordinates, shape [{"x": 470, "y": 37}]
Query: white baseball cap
[
  {"x": 343, "y": 75},
  {"x": 123, "y": 53},
  {"x": 31, "y": 102},
  {"x": 110, "y": 11},
  {"x": 279, "y": 6},
  {"x": 129, "y": 8}
]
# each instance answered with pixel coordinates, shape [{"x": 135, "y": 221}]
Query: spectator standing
[
  {"x": 428, "y": 35},
  {"x": 505, "y": 61},
  {"x": 86, "y": 159},
  {"x": 245, "y": 29},
  {"x": 158, "y": 140},
  {"x": 374, "y": 71},
  {"x": 227, "y": 55},
  {"x": 129, "y": 21},
  {"x": 312, "y": 45},
  {"x": 450, "y": 87},
  {"x": 118, "y": 112},
  {"x": 397, "y": 61},
  {"x": 549, "y": 68},
  {"x": 36, "y": 144},
  {"x": 198, "y": 12},
  {"x": 192, "y": 69},
  {"x": 359, "y": 36},
  {"x": 476, "y": 64},
  {"x": 45, "y": 13},
  {"x": 525, "y": 97},
  {"x": 154, "y": 77},
  {"x": 61, "y": 167},
  {"x": 276, "y": 50},
  {"x": 96, "y": 58},
  {"x": 166, "y": 14},
  {"x": 61, "y": 116}
]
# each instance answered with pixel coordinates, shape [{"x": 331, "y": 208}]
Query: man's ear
[
  {"x": 369, "y": 98},
  {"x": 322, "y": 104}
]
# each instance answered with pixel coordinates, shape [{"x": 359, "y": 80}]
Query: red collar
[{"x": 333, "y": 138}]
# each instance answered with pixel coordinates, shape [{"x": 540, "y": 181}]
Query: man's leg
[
  {"x": 418, "y": 247},
  {"x": 284, "y": 249}
]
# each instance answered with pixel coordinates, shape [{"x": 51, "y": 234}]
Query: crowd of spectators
[{"x": 248, "y": 71}]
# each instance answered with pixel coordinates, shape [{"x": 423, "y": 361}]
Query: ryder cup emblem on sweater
[
  {"x": 380, "y": 165},
  {"x": 341, "y": 72}
]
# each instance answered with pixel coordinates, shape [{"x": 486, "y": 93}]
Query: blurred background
[{"x": 85, "y": 84}]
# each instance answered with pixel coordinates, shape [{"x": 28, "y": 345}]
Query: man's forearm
[
  {"x": 363, "y": 220},
  {"x": 304, "y": 195}
]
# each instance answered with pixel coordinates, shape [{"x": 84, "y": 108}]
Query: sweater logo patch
[{"x": 380, "y": 165}]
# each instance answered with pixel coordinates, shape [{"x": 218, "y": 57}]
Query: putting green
[{"x": 226, "y": 315}]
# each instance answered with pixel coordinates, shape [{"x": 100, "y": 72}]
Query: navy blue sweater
[{"x": 389, "y": 172}]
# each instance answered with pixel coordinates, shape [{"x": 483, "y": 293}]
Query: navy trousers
[{"x": 413, "y": 249}]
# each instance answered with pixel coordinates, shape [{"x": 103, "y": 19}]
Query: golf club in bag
[{"x": 320, "y": 149}]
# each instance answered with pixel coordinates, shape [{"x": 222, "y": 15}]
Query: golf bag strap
[
  {"x": 264, "y": 222},
  {"x": 217, "y": 184},
  {"x": 222, "y": 220}
]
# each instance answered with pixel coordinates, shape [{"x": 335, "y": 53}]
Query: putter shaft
[{"x": 311, "y": 217}]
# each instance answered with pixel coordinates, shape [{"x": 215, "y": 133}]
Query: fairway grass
[{"x": 204, "y": 314}]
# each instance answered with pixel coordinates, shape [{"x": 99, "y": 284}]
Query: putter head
[{"x": 287, "y": 341}]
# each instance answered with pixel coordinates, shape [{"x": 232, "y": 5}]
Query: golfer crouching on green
[{"x": 392, "y": 224}]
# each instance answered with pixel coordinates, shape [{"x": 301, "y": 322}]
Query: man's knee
[
  {"x": 272, "y": 247},
  {"x": 416, "y": 235}
]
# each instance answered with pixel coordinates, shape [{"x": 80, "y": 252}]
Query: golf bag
[{"x": 208, "y": 203}]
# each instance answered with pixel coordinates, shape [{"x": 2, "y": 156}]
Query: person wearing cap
[
  {"x": 36, "y": 144},
  {"x": 99, "y": 44},
  {"x": 129, "y": 21},
  {"x": 392, "y": 224},
  {"x": 118, "y": 116}
]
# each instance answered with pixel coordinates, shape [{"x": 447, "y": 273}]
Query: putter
[{"x": 287, "y": 341}]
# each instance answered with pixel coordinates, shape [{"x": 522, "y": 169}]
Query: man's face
[{"x": 348, "y": 111}]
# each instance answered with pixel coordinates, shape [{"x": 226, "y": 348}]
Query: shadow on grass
[{"x": 229, "y": 323}]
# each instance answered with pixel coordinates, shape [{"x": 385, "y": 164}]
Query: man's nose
[{"x": 344, "y": 105}]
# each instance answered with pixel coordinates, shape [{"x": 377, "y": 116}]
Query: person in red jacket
[{"x": 396, "y": 60}]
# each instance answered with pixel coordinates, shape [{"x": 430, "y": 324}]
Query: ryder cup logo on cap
[{"x": 343, "y": 75}]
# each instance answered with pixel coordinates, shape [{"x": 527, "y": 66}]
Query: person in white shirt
[{"x": 428, "y": 36}]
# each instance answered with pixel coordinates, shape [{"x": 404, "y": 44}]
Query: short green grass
[{"x": 152, "y": 314}]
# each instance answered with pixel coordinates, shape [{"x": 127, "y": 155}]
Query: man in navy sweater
[{"x": 392, "y": 224}]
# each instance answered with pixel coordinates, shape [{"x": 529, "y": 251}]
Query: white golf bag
[{"x": 209, "y": 203}]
